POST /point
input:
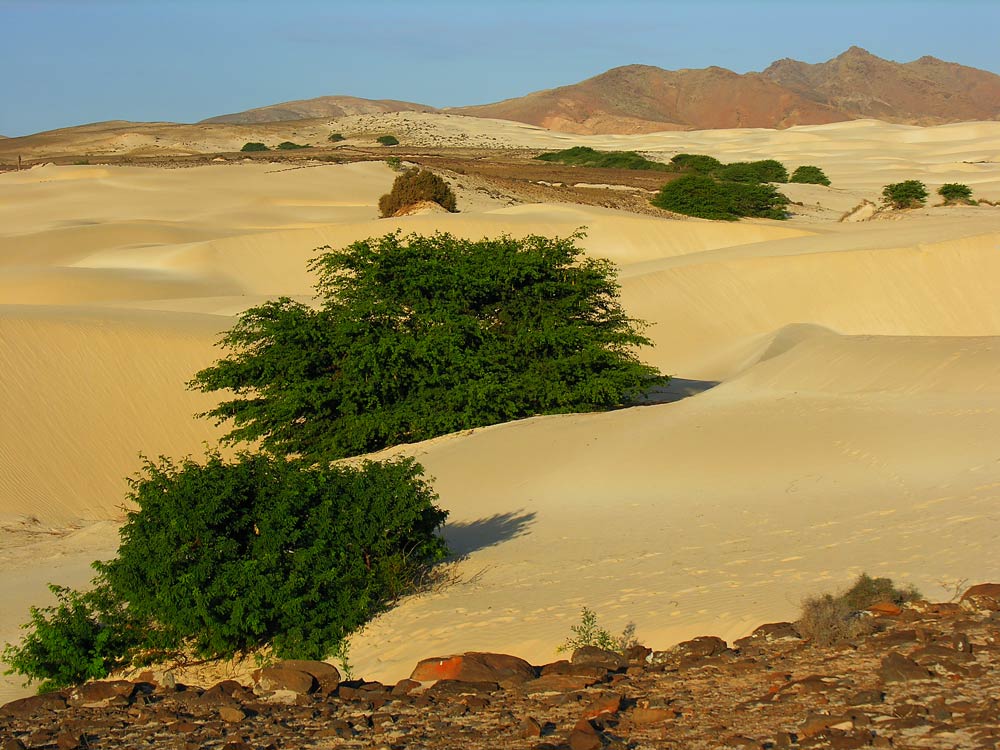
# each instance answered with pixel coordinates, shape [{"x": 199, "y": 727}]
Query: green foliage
[
  {"x": 416, "y": 185},
  {"x": 394, "y": 163},
  {"x": 226, "y": 557},
  {"x": 907, "y": 194},
  {"x": 289, "y": 146},
  {"x": 589, "y": 633},
  {"x": 827, "y": 619},
  {"x": 420, "y": 336},
  {"x": 84, "y": 636},
  {"x": 582, "y": 156},
  {"x": 254, "y": 146},
  {"x": 810, "y": 175},
  {"x": 388, "y": 140},
  {"x": 767, "y": 170},
  {"x": 336, "y": 137},
  {"x": 954, "y": 192},
  {"x": 696, "y": 163},
  {"x": 707, "y": 198}
]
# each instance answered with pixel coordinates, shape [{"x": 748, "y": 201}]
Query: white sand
[{"x": 853, "y": 430}]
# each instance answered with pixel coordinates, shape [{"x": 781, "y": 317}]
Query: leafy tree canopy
[
  {"x": 388, "y": 140},
  {"x": 906, "y": 194},
  {"x": 290, "y": 146},
  {"x": 584, "y": 156},
  {"x": 766, "y": 170},
  {"x": 336, "y": 137},
  {"x": 420, "y": 336},
  {"x": 254, "y": 146},
  {"x": 707, "y": 198},
  {"x": 954, "y": 192},
  {"x": 697, "y": 163},
  {"x": 810, "y": 175}
]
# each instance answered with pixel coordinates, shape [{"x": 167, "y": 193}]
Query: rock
[
  {"x": 326, "y": 675},
  {"x": 474, "y": 667},
  {"x": 231, "y": 715},
  {"x": 584, "y": 737},
  {"x": 817, "y": 723},
  {"x": 886, "y": 609},
  {"x": 599, "y": 657},
  {"x": 276, "y": 678},
  {"x": 637, "y": 654},
  {"x": 645, "y": 716},
  {"x": 898, "y": 668},
  {"x": 404, "y": 687},
  {"x": 983, "y": 598},
  {"x": 24, "y": 708},
  {"x": 557, "y": 683},
  {"x": 697, "y": 648},
  {"x": 13, "y": 744},
  {"x": 102, "y": 693},
  {"x": 68, "y": 741},
  {"x": 605, "y": 703},
  {"x": 866, "y": 698},
  {"x": 530, "y": 727}
]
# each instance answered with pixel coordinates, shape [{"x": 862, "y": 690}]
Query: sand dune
[{"x": 850, "y": 426}]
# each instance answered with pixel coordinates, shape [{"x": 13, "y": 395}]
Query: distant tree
[
  {"x": 954, "y": 192},
  {"x": 810, "y": 175},
  {"x": 697, "y": 163},
  {"x": 707, "y": 198},
  {"x": 907, "y": 194},
  {"x": 254, "y": 146},
  {"x": 388, "y": 140},
  {"x": 415, "y": 186},
  {"x": 767, "y": 170},
  {"x": 421, "y": 336},
  {"x": 289, "y": 146},
  {"x": 584, "y": 156},
  {"x": 336, "y": 137}
]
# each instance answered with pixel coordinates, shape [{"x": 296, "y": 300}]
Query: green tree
[
  {"x": 415, "y": 186},
  {"x": 954, "y": 192},
  {"x": 584, "y": 156},
  {"x": 388, "y": 140},
  {"x": 810, "y": 175},
  {"x": 697, "y": 163},
  {"x": 766, "y": 170},
  {"x": 290, "y": 146},
  {"x": 254, "y": 146},
  {"x": 420, "y": 336},
  {"x": 907, "y": 194},
  {"x": 707, "y": 198},
  {"x": 336, "y": 137}
]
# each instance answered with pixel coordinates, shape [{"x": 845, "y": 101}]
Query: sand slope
[{"x": 849, "y": 427}]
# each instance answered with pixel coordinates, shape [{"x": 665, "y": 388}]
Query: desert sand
[{"x": 835, "y": 407}]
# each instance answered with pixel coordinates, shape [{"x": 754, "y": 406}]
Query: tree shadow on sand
[{"x": 465, "y": 537}]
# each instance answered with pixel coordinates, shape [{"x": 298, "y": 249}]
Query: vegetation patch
[
  {"x": 956, "y": 193},
  {"x": 388, "y": 140},
  {"x": 415, "y": 186},
  {"x": 582, "y": 156},
  {"x": 336, "y": 137},
  {"x": 708, "y": 198},
  {"x": 289, "y": 146},
  {"x": 254, "y": 146},
  {"x": 906, "y": 194},
  {"x": 810, "y": 175},
  {"x": 589, "y": 633},
  {"x": 828, "y": 619},
  {"x": 420, "y": 336},
  {"x": 766, "y": 170}
]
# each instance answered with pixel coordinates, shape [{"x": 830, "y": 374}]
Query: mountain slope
[
  {"x": 322, "y": 106},
  {"x": 926, "y": 91}
]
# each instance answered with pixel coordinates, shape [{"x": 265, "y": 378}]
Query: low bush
[
  {"x": 589, "y": 633},
  {"x": 954, "y": 192},
  {"x": 907, "y": 194},
  {"x": 254, "y": 146},
  {"x": 394, "y": 163},
  {"x": 767, "y": 170},
  {"x": 336, "y": 137},
  {"x": 828, "y": 619},
  {"x": 388, "y": 140},
  {"x": 707, "y": 198},
  {"x": 289, "y": 146},
  {"x": 583, "y": 156},
  {"x": 416, "y": 185},
  {"x": 810, "y": 175},
  {"x": 696, "y": 163}
]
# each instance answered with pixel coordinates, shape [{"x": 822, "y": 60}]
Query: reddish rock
[
  {"x": 606, "y": 703},
  {"x": 645, "y": 716},
  {"x": 231, "y": 714},
  {"x": 68, "y": 741},
  {"x": 897, "y": 668},
  {"x": 598, "y": 657},
  {"x": 326, "y": 675},
  {"x": 584, "y": 737},
  {"x": 13, "y": 744},
  {"x": 404, "y": 687},
  {"x": 886, "y": 609},
  {"x": 558, "y": 683},
  {"x": 22, "y": 708},
  {"x": 530, "y": 727},
  {"x": 984, "y": 597},
  {"x": 276, "y": 678},
  {"x": 474, "y": 667}
]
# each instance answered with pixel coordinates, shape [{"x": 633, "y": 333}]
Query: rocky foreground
[{"x": 926, "y": 677}]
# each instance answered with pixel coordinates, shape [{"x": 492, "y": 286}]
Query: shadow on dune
[
  {"x": 465, "y": 537},
  {"x": 676, "y": 390}
]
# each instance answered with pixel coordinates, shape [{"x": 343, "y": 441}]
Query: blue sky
[{"x": 68, "y": 62}]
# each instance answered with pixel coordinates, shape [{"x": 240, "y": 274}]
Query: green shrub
[
  {"x": 414, "y": 186},
  {"x": 767, "y": 170},
  {"x": 388, "y": 140},
  {"x": 336, "y": 137},
  {"x": 394, "y": 163},
  {"x": 289, "y": 146},
  {"x": 582, "y": 156},
  {"x": 696, "y": 163},
  {"x": 226, "y": 557},
  {"x": 254, "y": 146},
  {"x": 907, "y": 194},
  {"x": 83, "y": 637},
  {"x": 589, "y": 633},
  {"x": 954, "y": 192},
  {"x": 810, "y": 175},
  {"x": 707, "y": 198},
  {"x": 828, "y": 619},
  {"x": 421, "y": 336}
]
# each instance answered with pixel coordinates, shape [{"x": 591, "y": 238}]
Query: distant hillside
[
  {"x": 925, "y": 91},
  {"x": 642, "y": 99},
  {"x": 323, "y": 106}
]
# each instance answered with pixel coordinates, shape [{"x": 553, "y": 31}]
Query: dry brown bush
[
  {"x": 828, "y": 619},
  {"x": 414, "y": 186}
]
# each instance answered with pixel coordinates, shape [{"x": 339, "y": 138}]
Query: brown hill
[
  {"x": 643, "y": 99},
  {"x": 322, "y": 106},
  {"x": 925, "y": 92}
]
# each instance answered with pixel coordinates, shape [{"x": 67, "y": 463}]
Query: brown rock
[
  {"x": 231, "y": 715},
  {"x": 584, "y": 737},
  {"x": 404, "y": 687},
  {"x": 984, "y": 597},
  {"x": 276, "y": 678},
  {"x": 898, "y": 668},
  {"x": 530, "y": 727},
  {"x": 599, "y": 657},
  {"x": 33, "y": 705},
  {"x": 645, "y": 716},
  {"x": 474, "y": 667},
  {"x": 13, "y": 744},
  {"x": 886, "y": 609},
  {"x": 605, "y": 703},
  {"x": 102, "y": 693},
  {"x": 558, "y": 683},
  {"x": 326, "y": 675},
  {"x": 68, "y": 741}
]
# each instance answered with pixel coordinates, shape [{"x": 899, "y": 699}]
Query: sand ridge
[{"x": 845, "y": 379}]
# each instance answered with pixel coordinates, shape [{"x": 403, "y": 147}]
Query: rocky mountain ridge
[{"x": 925, "y": 677}]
